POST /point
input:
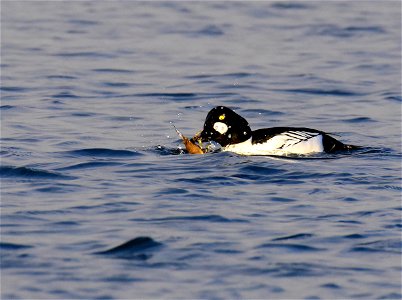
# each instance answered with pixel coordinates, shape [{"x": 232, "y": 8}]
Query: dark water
[{"x": 98, "y": 201}]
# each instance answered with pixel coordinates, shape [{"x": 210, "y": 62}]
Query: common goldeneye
[{"x": 233, "y": 133}]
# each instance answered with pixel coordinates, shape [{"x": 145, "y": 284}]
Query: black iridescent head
[{"x": 224, "y": 126}]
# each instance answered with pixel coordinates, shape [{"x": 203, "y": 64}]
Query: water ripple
[
  {"x": 235, "y": 75},
  {"x": 264, "y": 112},
  {"x": 184, "y": 96},
  {"x": 359, "y": 120},
  {"x": 345, "y": 32},
  {"x": 65, "y": 95},
  {"x": 211, "y": 30},
  {"x": 137, "y": 248},
  {"x": 27, "y": 172},
  {"x": 291, "y": 247},
  {"x": 390, "y": 246},
  {"x": 290, "y": 5},
  {"x": 90, "y": 165},
  {"x": 13, "y": 89},
  {"x": 87, "y": 54},
  {"x": 104, "y": 152},
  {"x": 7, "y": 107},
  {"x": 321, "y": 92},
  {"x": 67, "y": 77},
  {"x": 294, "y": 236},
  {"x": 113, "y": 71},
  {"x": 205, "y": 218},
  {"x": 11, "y": 246}
]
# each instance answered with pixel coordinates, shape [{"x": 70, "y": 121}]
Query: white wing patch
[
  {"x": 298, "y": 142},
  {"x": 295, "y": 142},
  {"x": 292, "y": 138}
]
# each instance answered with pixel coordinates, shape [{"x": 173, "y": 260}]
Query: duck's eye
[{"x": 222, "y": 128}]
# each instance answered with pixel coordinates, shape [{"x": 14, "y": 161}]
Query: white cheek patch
[{"x": 222, "y": 128}]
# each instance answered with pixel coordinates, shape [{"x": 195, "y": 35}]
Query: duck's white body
[{"x": 291, "y": 142}]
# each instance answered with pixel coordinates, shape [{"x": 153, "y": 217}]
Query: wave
[
  {"x": 324, "y": 92},
  {"x": 89, "y": 165},
  {"x": 233, "y": 75},
  {"x": 11, "y": 246},
  {"x": 7, "y": 107},
  {"x": 87, "y": 54},
  {"x": 13, "y": 89},
  {"x": 26, "y": 172},
  {"x": 293, "y": 236},
  {"x": 208, "y": 218},
  {"x": 182, "y": 96},
  {"x": 104, "y": 152},
  {"x": 389, "y": 246},
  {"x": 65, "y": 95},
  {"x": 111, "y": 70},
  {"x": 359, "y": 120},
  {"x": 265, "y": 112},
  {"x": 137, "y": 248},
  {"x": 291, "y": 247},
  {"x": 345, "y": 32},
  {"x": 290, "y": 5}
]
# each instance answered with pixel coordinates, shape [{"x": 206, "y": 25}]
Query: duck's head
[{"x": 224, "y": 126}]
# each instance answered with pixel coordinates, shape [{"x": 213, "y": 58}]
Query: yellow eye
[{"x": 222, "y": 117}]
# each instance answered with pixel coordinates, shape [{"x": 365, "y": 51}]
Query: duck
[{"x": 227, "y": 128}]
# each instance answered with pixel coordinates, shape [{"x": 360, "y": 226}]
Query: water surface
[{"x": 98, "y": 199}]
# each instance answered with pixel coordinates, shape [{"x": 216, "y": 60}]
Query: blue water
[{"x": 99, "y": 199}]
